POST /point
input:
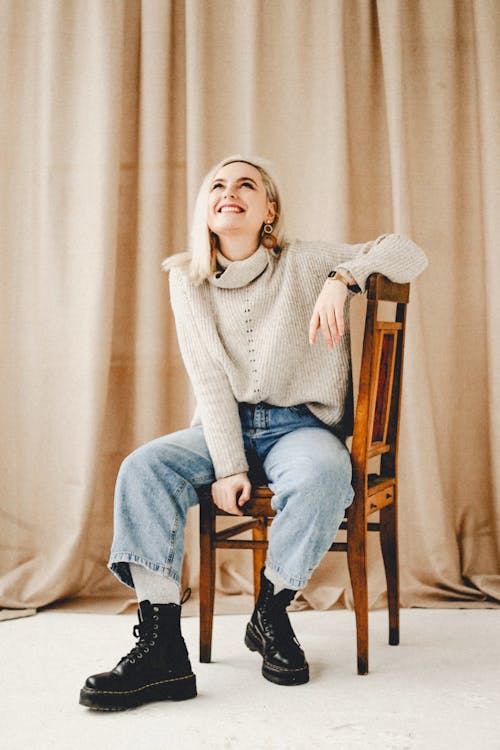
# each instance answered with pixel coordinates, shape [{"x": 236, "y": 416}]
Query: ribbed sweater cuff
[
  {"x": 398, "y": 258},
  {"x": 228, "y": 468}
]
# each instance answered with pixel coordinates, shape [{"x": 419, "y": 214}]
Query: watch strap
[{"x": 337, "y": 276}]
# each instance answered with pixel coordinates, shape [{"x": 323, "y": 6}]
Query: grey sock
[
  {"x": 153, "y": 586},
  {"x": 277, "y": 581}
]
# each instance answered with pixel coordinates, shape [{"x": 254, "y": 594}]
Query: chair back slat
[
  {"x": 377, "y": 411},
  {"x": 381, "y": 387}
]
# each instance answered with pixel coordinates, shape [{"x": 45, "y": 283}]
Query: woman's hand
[
  {"x": 230, "y": 493},
  {"x": 328, "y": 313}
]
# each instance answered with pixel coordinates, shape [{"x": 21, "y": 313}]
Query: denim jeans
[{"x": 306, "y": 465}]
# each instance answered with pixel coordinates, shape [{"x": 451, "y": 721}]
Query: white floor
[{"x": 439, "y": 689}]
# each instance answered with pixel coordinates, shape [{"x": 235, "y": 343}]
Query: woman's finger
[
  {"x": 245, "y": 494},
  {"x": 232, "y": 500},
  {"x": 333, "y": 325},
  {"x": 226, "y": 492},
  {"x": 325, "y": 330},
  {"x": 313, "y": 326},
  {"x": 339, "y": 317},
  {"x": 234, "y": 507}
]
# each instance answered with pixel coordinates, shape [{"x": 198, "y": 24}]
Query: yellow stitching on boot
[
  {"x": 137, "y": 690},
  {"x": 283, "y": 669}
]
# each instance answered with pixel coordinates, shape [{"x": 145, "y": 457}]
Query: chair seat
[
  {"x": 380, "y": 493},
  {"x": 259, "y": 503}
]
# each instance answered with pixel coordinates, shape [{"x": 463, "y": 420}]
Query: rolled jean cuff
[
  {"x": 292, "y": 582},
  {"x": 119, "y": 565}
]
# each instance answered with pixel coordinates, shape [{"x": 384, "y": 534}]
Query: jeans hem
[
  {"x": 118, "y": 565},
  {"x": 293, "y": 582}
]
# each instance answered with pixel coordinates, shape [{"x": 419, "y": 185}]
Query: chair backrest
[{"x": 376, "y": 419}]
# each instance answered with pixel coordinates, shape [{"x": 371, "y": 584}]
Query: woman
[{"x": 248, "y": 305}]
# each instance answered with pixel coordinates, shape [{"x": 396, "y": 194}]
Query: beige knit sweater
[{"x": 243, "y": 334}]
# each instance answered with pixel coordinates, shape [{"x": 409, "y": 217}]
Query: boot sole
[
  {"x": 175, "y": 689},
  {"x": 278, "y": 675}
]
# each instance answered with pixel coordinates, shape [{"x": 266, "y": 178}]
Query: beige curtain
[{"x": 381, "y": 116}]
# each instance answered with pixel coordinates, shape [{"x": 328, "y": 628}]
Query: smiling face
[{"x": 238, "y": 206}]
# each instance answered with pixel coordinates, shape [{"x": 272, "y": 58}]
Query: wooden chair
[{"x": 375, "y": 434}]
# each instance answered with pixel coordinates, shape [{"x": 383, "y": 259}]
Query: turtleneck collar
[{"x": 238, "y": 273}]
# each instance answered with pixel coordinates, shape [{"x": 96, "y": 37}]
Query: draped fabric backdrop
[{"x": 381, "y": 117}]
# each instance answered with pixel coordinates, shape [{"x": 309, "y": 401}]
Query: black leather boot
[
  {"x": 156, "y": 669},
  {"x": 270, "y": 633}
]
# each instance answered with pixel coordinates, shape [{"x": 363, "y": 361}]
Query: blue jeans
[{"x": 307, "y": 467}]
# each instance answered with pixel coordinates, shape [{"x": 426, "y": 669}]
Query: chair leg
[
  {"x": 259, "y": 533},
  {"x": 207, "y": 577},
  {"x": 389, "y": 545},
  {"x": 356, "y": 558}
]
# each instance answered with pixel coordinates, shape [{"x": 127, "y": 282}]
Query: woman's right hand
[{"x": 230, "y": 493}]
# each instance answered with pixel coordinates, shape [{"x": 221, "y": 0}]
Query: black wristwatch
[{"x": 337, "y": 276}]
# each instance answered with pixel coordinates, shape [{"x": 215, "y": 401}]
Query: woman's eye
[
  {"x": 247, "y": 184},
  {"x": 217, "y": 185}
]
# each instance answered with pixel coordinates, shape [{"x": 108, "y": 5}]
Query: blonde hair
[{"x": 201, "y": 257}]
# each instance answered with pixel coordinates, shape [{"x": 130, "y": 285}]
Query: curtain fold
[{"x": 381, "y": 116}]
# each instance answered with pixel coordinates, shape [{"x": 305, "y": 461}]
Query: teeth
[{"x": 230, "y": 209}]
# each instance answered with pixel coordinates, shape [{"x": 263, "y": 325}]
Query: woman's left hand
[{"x": 328, "y": 313}]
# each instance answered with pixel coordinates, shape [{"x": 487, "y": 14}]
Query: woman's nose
[{"x": 229, "y": 192}]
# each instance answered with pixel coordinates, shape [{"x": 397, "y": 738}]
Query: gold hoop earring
[{"x": 267, "y": 237}]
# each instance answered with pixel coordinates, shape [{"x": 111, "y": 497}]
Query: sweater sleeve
[
  {"x": 397, "y": 257},
  {"x": 216, "y": 404}
]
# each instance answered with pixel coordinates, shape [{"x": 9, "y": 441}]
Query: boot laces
[
  {"x": 146, "y": 635},
  {"x": 146, "y": 632}
]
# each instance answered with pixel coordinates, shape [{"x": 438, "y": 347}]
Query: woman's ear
[{"x": 271, "y": 212}]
